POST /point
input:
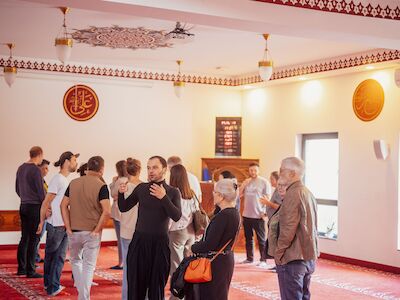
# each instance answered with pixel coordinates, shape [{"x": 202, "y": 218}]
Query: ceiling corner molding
[
  {"x": 330, "y": 64},
  {"x": 348, "y": 7},
  {"x": 36, "y": 65},
  {"x": 326, "y": 65}
]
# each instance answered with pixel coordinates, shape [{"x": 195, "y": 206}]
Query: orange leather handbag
[{"x": 199, "y": 269}]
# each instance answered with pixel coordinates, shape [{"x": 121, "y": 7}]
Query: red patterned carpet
[{"x": 332, "y": 280}]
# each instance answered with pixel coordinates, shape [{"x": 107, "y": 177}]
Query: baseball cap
[{"x": 64, "y": 157}]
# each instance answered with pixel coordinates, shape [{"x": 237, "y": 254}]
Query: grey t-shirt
[
  {"x": 252, "y": 193},
  {"x": 276, "y": 198}
]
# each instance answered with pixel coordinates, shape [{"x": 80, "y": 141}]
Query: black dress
[
  {"x": 222, "y": 228},
  {"x": 148, "y": 258}
]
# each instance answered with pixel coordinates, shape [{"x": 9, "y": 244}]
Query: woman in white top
[
  {"x": 115, "y": 213},
  {"x": 129, "y": 218},
  {"x": 181, "y": 233}
]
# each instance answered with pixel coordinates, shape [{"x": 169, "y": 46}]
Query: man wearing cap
[
  {"x": 29, "y": 187},
  {"x": 85, "y": 209},
  {"x": 57, "y": 239}
]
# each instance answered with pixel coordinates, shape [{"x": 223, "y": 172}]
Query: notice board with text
[{"x": 228, "y": 136}]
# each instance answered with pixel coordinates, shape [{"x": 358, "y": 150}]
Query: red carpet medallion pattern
[{"x": 332, "y": 280}]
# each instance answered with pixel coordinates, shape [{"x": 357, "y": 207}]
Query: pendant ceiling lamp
[
  {"x": 63, "y": 41},
  {"x": 265, "y": 67},
  {"x": 10, "y": 73},
  {"x": 179, "y": 85}
]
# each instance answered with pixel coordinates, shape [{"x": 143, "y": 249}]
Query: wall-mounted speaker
[
  {"x": 397, "y": 77},
  {"x": 381, "y": 149}
]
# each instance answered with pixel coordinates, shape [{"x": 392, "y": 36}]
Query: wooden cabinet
[{"x": 212, "y": 167}]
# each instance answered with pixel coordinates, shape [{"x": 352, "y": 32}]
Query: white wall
[
  {"x": 143, "y": 118},
  {"x": 368, "y": 201},
  {"x": 135, "y": 118}
]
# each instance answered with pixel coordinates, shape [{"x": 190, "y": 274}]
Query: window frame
[
  {"x": 320, "y": 201},
  {"x": 318, "y": 136}
]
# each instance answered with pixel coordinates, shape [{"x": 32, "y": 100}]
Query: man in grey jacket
[{"x": 297, "y": 247}]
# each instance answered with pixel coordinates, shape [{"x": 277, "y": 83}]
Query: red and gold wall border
[
  {"x": 121, "y": 73},
  {"x": 331, "y": 64},
  {"x": 328, "y": 65},
  {"x": 348, "y": 7}
]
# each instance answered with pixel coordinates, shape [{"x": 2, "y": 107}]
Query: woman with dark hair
[
  {"x": 181, "y": 233},
  {"x": 82, "y": 169},
  {"x": 122, "y": 177},
  {"x": 222, "y": 229}
]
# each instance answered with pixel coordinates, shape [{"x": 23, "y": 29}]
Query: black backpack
[{"x": 178, "y": 282}]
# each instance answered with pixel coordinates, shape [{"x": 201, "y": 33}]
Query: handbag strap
[
  {"x": 220, "y": 250},
  {"x": 227, "y": 243},
  {"x": 198, "y": 202}
]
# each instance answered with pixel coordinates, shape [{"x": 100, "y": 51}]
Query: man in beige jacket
[{"x": 297, "y": 248}]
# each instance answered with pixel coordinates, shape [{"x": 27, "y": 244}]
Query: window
[{"x": 320, "y": 153}]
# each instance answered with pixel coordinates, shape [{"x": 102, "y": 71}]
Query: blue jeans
[
  {"x": 294, "y": 279},
  {"x": 54, "y": 257},
  {"x": 37, "y": 259},
  {"x": 117, "y": 226},
  {"x": 125, "y": 246}
]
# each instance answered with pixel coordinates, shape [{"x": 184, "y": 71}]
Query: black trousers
[
  {"x": 148, "y": 265},
  {"x": 27, "y": 248},
  {"x": 258, "y": 225}
]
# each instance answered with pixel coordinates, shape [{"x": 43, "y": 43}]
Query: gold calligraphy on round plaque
[
  {"x": 81, "y": 102},
  {"x": 368, "y": 100}
]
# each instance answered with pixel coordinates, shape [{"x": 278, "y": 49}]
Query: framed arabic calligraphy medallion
[
  {"x": 368, "y": 100},
  {"x": 81, "y": 102}
]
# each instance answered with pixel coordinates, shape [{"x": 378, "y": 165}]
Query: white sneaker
[
  {"x": 246, "y": 261},
  {"x": 60, "y": 288},
  {"x": 262, "y": 264}
]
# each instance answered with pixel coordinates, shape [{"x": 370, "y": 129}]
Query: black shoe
[
  {"x": 34, "y": 275},
  {"x": 19, "y": 273},
  {"x": 116, "y": 268}
]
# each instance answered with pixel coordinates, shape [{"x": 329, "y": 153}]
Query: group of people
[{"x": 154, "y": 224}]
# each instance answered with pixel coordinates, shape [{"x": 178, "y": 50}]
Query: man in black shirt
[
  {"x": 29, "y": 187},
  {"x": 148, "y": 259}
]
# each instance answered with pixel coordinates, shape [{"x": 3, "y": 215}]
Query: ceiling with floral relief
[
  {"x": 227, "y": 42},
  {"x": 122, "y": 37}
]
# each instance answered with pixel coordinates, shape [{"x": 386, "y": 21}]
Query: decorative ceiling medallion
[
  {"x": 81, "y": 102},
  {"x": 122, "y": 37},
  {"x": 349, "y": 7},
  {"x": 368, "y": 100}
]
